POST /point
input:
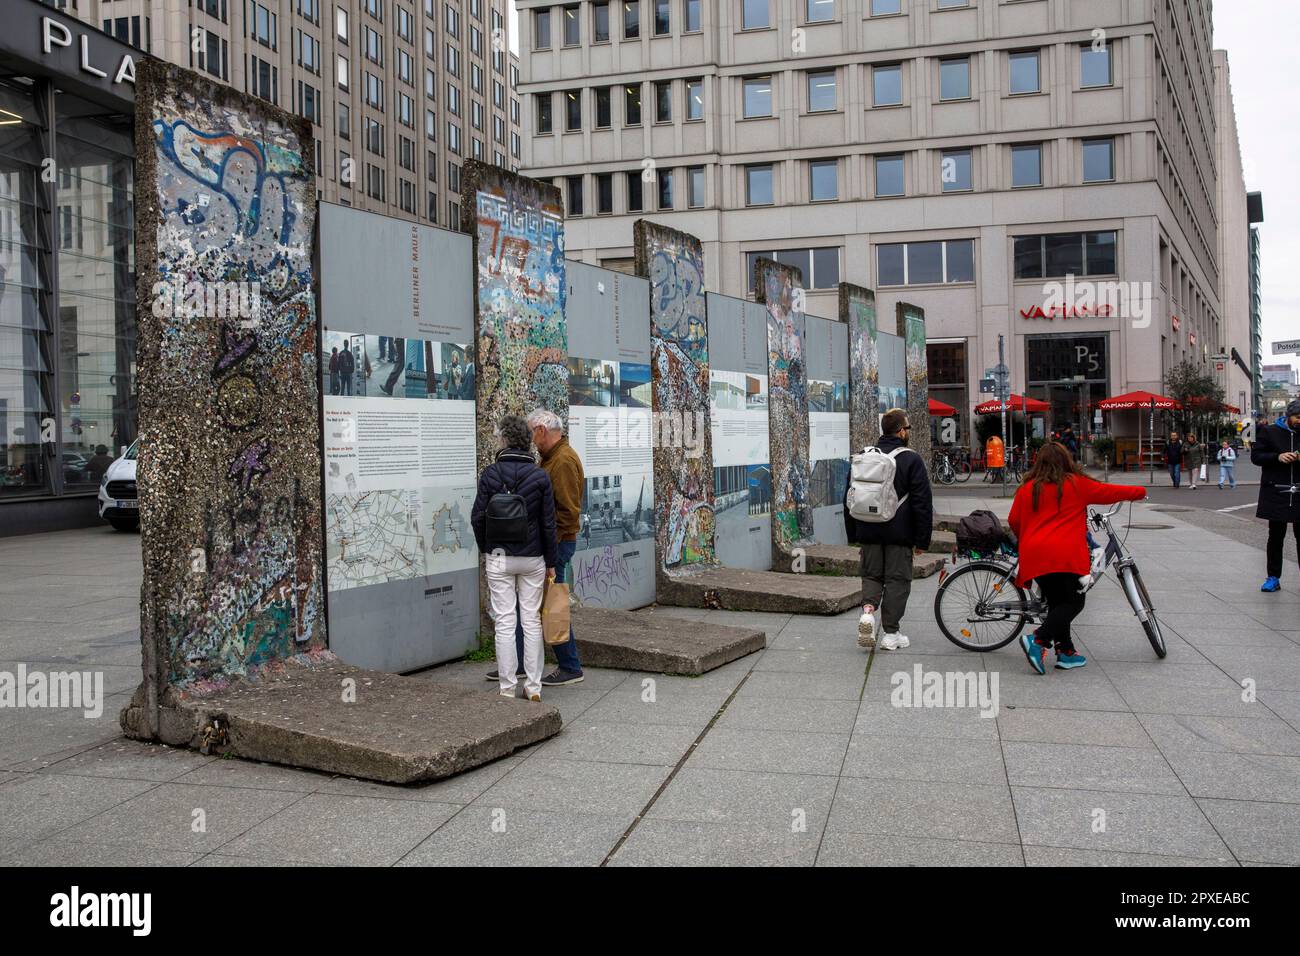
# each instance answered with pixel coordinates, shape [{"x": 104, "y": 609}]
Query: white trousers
[{"x": 507, "y": 578}]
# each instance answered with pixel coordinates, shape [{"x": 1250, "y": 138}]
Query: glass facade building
[{"x": 67, "y": 285}]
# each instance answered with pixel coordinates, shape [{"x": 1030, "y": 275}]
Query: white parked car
[{"x": 119, "y": 504}]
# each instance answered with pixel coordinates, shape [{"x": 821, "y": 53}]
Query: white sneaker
[
  {"x": 867, "y": 627},
  {"x": 893, "y": 642}
]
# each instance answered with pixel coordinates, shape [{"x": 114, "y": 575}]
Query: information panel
[
  {"x": 742, "y": 476},
  {"x": 828, "y": 426},
  {"x": 397, "y": 372},
  {"x": 610, "y": 429}
]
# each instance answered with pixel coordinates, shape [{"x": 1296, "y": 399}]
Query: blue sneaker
[
  {"x": 1034, "y": 653},
  {"x": 1271, "y": 585},
  {"x": 1068, "y": 661}
]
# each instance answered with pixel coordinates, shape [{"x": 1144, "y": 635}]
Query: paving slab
[
  {"x": 508, "y": 836},
  {"x": 772, "y": 802},
  {"x": 657, "y": 842},
  {"x": 1257, "y": 832},
  {"x": 642, "y": 641},
  {"x": 873, "y": 849},
  {"x": 41, "y": 804},
  {"x": 1064, "y": 856},
  {"x": 946, "y": 811},
  {"x": 1242, "y": 735},
  {"x": 1089, "y": 767},
  {"x": 1072, "y": 726},
  {"x": 777, "y": 751},
  {"x": 97, "y": 854},
  {"x": 925, "y": 758},
  {"x": 583, "y": 786},
  {"x": 1234, "y": 776},
  {"x": 396, "y": 729},
  {"x": 735, "y": 589}
]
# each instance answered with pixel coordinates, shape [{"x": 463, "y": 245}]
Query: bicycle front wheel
[
  {"x": 979, "y": 607},
  {"x": 963, "y": 470},
  {"x": 1138, "y": 597}
]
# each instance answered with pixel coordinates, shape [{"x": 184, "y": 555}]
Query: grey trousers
[{"x": 887, "y": 581}]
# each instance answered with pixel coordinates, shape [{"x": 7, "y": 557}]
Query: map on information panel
[{"x": 372, "y": 538}]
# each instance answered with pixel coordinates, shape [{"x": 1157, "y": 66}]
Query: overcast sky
[{"x": 1260, "y": 37}]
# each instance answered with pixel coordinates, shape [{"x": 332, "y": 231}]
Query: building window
[
  {"x": 342, "y": 69},
  {"x": 572, "y": 25},
  {"x": 887, "y": 85},
  {"x": 664, "y": 102},
  {"x": 604, "y": 193},
  {"x": 823, "y": 180},
  {"x": 1027, "y": 165},
  {"x": 341, "y": 24},
  {"x": 452, "y": 20},
  {"x": 665, "y": 189},
  {"x": 635, "y": 203},
  {"x": 543, "y": 112},
  {"x": 691, "y": 16},
  {"x": 632, "y": 105},
  {"x": 1094, "y": 66},
  {"x": 821, "y": 92},
  {"x": 600, "y": 22},
  {"x": 925, "y": 263},
  {"x": 631, "y": 19},
  {"x": 453, "y": 99},
  {"x": 695, "y": 187},
  {"x": 953, "y": 4},
  {"x": 758, "y": 185},
  {"x": 573, "y": 189},
  {"x": 663, "y": 18},
  {"x": 1058, "y": 255},
  {"x": 885, "y": 8},
  {"x": 542, "y": 29},
  {"x": 955, "y": 170},
  {"x": 603, "y": 113},
  {"x": 954, "y": 79},
  {"x": 374, "y": 136},
  {"x": 374, "y": 47},
  {"x": 889, "y": 176},
  {"x": 755, "y": 15},
  {"x": 819, "y": 11},
  {"x": 820, "y": 267},
  {"x": 758, "y": 96},
  {"x": 1098, "y": 160},
  {"x": 573, "y": 110},
  {"x": 695, "y": 99},
  {"x": 344, "y": 121},
  {"x": 1023, "y": 76}
]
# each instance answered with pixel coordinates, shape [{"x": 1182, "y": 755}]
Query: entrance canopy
[
  {"x": 938, "y": 408},
  {"x": 1132, "y": 400},
  {"x": 1018, "y": 403}
]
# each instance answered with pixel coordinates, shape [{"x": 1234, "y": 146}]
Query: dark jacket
[
  {"x": 1276, "y": 501},
  {"x": 346, "y": 362},
  {"x": 1174, "y": 453},
  {"x": 515, "y": 469},
  {"x": 913, "y": 524}
]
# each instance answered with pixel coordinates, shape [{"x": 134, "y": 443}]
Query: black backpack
[
  {"x": 980, "y": 531},
  {"x": 507, "y": 518}
]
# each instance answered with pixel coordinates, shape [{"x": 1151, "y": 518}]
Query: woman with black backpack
[{"x": 514, "y": 525}]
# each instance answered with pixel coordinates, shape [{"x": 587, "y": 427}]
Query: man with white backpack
[{"x": 889, "y": 512}]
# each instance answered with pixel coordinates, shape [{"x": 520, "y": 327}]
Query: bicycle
[
  {"x": 979, "y": 607},
  {"x": 945, "y": 471}
]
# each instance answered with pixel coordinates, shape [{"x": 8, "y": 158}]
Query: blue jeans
[
  {"x": 1175, "y": 472},
  {"x": 1228, "y": 474},
  {"x": 566, "y": 654}
]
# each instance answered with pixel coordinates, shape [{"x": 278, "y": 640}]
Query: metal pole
[
  {"x": 1004, "y": 387},
  {"x": 1152, "y": 479}
]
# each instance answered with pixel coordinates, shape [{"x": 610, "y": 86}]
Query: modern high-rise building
[
  {"x": 1234, "y": 372},
  {"x": 1255, "y": 215},
  {"x": 964, "y": 155},
  {"x": 399, "y": 92}
]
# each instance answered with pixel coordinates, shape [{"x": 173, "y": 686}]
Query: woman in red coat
[{"x": 1049, "y": 517}]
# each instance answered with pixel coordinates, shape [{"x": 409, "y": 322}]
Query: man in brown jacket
[{"x": 564, "y": 468}]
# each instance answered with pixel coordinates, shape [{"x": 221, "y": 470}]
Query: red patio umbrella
[
  {"x": 1018, "y": 403},
  {"x": 938, "y": 408},
  {"x": 1132, "y": 400}
]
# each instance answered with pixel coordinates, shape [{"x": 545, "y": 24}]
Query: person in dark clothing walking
[
  {"x": 1174, "y": 458},
  {"x": 1277, "y": 452},
  {"x": 516, "y": 573},
  {"x": 397, "y": 349},
  {"x": 347, "y": 365},
  {"x": 887, "y": 547}
]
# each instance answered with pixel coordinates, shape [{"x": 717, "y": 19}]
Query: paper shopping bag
[{"x": 555, "y": 613}]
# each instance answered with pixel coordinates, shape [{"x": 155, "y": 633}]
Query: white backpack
[{"x": 872, "y": 497}]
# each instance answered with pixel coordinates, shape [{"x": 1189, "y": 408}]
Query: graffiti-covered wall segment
[{"x": 229, "y": 463}]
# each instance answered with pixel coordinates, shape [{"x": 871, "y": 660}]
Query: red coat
[{"x": 1055, "y": 537}]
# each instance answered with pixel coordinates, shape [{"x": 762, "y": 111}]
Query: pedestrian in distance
[
  {"x": 1277, "y": 452},
  {"x": 514, "y": 526},
  {"x": 1194, "y": 455},
  {"x": 1050, "y": 519},
  {"x": 1174, "y": 458},
  {"x": 347, "y": 365},
  {"x": 1227, "y": 456},
  {"x": 564, "y": 469},
  {"x": 889, "y": 514},
  {"x": 334, "y": 371}
]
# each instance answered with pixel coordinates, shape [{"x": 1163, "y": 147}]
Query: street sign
[
  {"x": 1287, "y": 347},
  {"x": 988, "y": 386}
]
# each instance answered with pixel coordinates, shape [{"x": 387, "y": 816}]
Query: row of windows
[
  {"x": 758, "y": 101},
  {"x": 754, "y": 15}
]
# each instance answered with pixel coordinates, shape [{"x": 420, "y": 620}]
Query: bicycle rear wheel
[
  {"x": 1138, "y": 597},
  {"x": 979, "y": 607},
  {"x": 964, "y": 470}
]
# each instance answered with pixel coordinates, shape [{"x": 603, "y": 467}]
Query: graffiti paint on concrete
[
  {"x": 858, "y": 312},
  {"x": 780, "y": 289},
  {"x": 679, "y": 360},
  {"x": 911, "y": 329},
  {"x": 229, "y": 402},
  {"x": 517, "y": 227}
]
